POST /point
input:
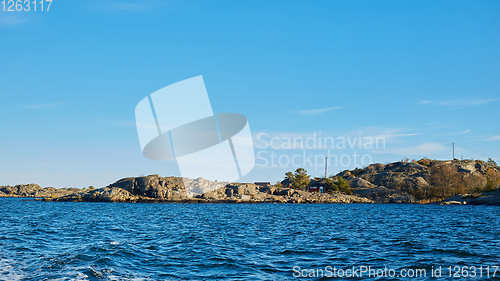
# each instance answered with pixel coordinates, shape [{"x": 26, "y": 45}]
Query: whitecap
[{"x": 9, "y": 272}]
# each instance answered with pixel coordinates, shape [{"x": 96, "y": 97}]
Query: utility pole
[
  {"x": 453, "y": 150},
  {"x": 326, "y": 166}
]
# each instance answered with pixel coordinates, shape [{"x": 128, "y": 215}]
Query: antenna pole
[
  {"x": 453, "y": 150},
  {"x": 326, "y": 166}
]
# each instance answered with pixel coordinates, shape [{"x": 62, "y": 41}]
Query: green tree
[
  {"x": 289, "y": 179},
  {"x": 343, "y": 186},
  {"x": 301, "y": 173},
  {"x": 492, "y": 162},
  {"x": 331, "y": 186},
  {"x": 91, "y": 187},
  {"x": 301, "y": 179},
  {"x": 492, "y": 180},
  {"x": 490, "y": 185},
  {"x": 289, "y": 176}
]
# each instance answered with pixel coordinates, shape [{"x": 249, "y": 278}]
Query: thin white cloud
[
  {"x": 459, "y": 102},
  {"x": 133, "y": 7},
  {"x": 298, "y": 140},
  {"x": 11, "y": 19},
  {"x": 416, "y": 150},
  {"x": 130, "y": 6},
  {"x": 493, "y": 138},
  {"x": 122, "y": 123},
  {"x": 125, "y": 123},
  {"x": 44, "y": 105},
  {"x": 388, "y": 134},
  {"x": 465, "y": 132},
  {"x": 318, "y": 111},
  {"x": 283, "y": 140}
]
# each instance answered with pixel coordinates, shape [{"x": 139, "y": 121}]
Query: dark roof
[
  {"x": 262, "y": 183},
  {"x": 315, "y": 183}
]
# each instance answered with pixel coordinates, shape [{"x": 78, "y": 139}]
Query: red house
[{"x": 320, "y": 189}]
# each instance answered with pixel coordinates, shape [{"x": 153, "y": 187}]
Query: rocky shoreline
[
  {"x": 457, "y": 182},
  {"x": 154, "y": 189},
  {"x": 399, "y": 182}
]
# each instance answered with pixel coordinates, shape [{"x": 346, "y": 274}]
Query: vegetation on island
[
  {"x": 406, "y": 181},
  {"x": 424, "y": 180},
  {"x": 447, "y": 180},
  {"x": 300, "y": 180}
]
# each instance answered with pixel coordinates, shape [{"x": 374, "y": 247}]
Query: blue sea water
[{"x": 121, "y": 241}]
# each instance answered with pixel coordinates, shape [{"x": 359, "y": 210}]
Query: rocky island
[{"x": 412, "y": 182}]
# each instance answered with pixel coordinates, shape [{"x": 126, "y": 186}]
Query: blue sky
[{"x": 421, "y": 74}]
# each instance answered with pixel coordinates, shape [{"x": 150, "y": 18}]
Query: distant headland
[{"x": 424, "y": 181}]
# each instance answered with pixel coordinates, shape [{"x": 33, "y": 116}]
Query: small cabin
[
  {"x": 262, "y": 183},
  {"x": 316, "y": 186},
  {"x": 320, "y": 189}
]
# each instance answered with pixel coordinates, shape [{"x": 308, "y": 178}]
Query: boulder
[
  {"x": 482, "y": 166},
  {"x": 218, "y": 194},
  {"x": 382, "y": 194},
  {"x": 359, "y": 183},
  {"x": 453, "y": 203},
  {"x": 345, "y": 174},
  {"x": 243, "y": 188},
  {"x": 154, "y": 186},
  {"x": 284, "y": 191}
]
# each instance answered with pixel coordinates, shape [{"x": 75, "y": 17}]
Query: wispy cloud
[
  {"x": 301, "y": 140},
  {"x": 11, "y": 19},
  {"x": 289, "y": 140},
  {"x": 465, "y": 132},
  {"x": 493, "y": 138},
  {"x": 416, "y": 150},
  {"x": 127, "y": 123},
  {"x": 458, "y": 102},
  {"x": 45, "y": 105},
  {"x": 390, "y": 135},
  {"x": 134, "y": 7},
  {"x": 318, "y": 111},
  {"x": 130, "y": 6}
]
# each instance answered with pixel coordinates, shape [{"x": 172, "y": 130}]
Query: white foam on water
[
  {"x": 72, "y": 273},
  {"x": 118, "y": 278},
  {"x": 9, "y": 271}
]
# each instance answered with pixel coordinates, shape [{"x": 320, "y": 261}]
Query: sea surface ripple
[{"x": 121, "y": 241}]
